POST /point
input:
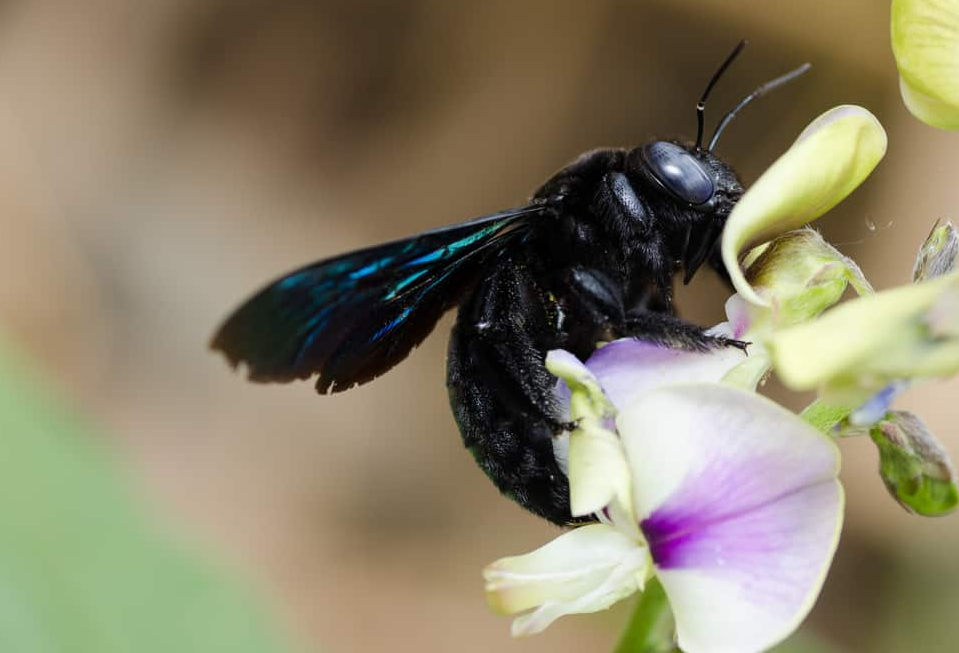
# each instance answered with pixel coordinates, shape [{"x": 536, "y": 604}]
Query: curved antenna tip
[{"x": 758, "y": 93}]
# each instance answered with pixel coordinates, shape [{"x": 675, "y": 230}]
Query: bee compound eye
[{"x": 678, "y": 172}]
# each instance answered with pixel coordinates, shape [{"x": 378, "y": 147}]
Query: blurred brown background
[{"x": 159, "y": 160}]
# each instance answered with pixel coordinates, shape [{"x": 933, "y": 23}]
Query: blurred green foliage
[{"x": 82, "y": 567}]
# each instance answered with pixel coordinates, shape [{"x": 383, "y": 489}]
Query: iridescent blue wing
[{"x": 351, "y": 318}]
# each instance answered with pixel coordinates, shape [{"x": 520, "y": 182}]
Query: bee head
[
  {"x": 701, "y": 188},
  {"x": 701, "y": 185}
]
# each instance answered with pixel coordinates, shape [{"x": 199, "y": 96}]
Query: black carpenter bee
[{"x": 590, "y": 258}]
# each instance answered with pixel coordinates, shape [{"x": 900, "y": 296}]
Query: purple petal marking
[
  {"x": 723, "y": 521},
  {"x": 759, "y": 570},
  {"x": 762, "y": 559},
  {"x": 720, "y": 503},
  {"x": 743, "y": 539}
]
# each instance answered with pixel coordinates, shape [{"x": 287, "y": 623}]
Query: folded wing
[{"x": 351, "y": 318}]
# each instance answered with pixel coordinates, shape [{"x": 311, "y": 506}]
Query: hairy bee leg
[
  {"x": 501, "y": 393},
  {"x": 673, "y": 332},
  {"x": 594, "y": 298}
]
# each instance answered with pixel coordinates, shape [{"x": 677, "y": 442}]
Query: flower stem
[{"x": 651, "y": 627}]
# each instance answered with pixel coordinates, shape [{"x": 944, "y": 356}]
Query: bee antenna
[
  {"x": 701, "y": 106},
  {"x": 759, "y": 92}
]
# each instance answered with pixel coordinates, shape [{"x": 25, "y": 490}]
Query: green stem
[{"x": 651, "y": 627}]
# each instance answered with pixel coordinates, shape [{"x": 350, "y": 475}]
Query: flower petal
[
  {"x": 738, "y": 312},
  {"x": 859, "y": 347},
  {"x": 831, "y": 157},
  {"x": 750, "y": 373},
  {"x": 615, "y": 375},
  {"x": 573, "y": 373},
  {"x": 924, "y": 38},
  {"x": 629, "y": 367},
  {"x": 591, "y": 454},
  {"x": 598, "y": 473},
  {"x": 928, "y": 108},
  {"x": 584, "y": 570},
  {"x": 741, "y": 509}
]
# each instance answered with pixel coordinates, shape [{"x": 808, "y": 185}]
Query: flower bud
[
  {"x": 914, "y": 466},
  {"x": 937, "y": 256},
  {"x": 800, "y": 275}
]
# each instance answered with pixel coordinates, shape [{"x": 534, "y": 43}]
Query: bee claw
[{"x": 741, "y": 345}]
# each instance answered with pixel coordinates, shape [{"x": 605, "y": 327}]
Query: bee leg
[
  {"x": 676, "y": 333},
  {"x": 598, "y": 303},
  {"x": 501, "y": 393},
  {"x": 593, "y": 298}
]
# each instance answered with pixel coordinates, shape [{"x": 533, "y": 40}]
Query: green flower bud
[
  {"x": 937, "y": 256},
  {"x": 914, "y": 467},
  {"x": 799, "y": 275}
]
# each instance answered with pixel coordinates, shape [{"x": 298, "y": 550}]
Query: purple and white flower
[{"x": 732, "y": 502}]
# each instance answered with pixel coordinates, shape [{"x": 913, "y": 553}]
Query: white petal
[
  {"x": 749, "y": 374},
  {"x": 741, "y": 508},
  {"x": 597, "y": 469},
  {"x": 573, "y": 374},
  {"x": 738, "y": 313},
  {"x": 592, "y": 454},
  {"x": 584, "y": 570},
  {"x": 627, "y": 368}
]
